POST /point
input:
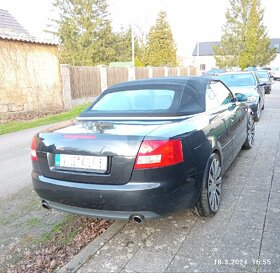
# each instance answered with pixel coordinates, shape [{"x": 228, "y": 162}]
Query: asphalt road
[{"x": 15, "y": 162}]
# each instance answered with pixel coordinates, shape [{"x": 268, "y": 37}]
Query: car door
[
  {"x": 219, "y": 123},
  {"x": 238, "y": 126},
  {"x": 260, "y": 90},
  {"x": 236, "y": 113}
]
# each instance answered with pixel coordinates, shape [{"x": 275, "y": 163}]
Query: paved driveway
[{"x": 243, "y": 237}]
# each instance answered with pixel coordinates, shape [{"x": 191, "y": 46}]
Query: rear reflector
[
  {"x": 159, "y": 153},
  {"x": 33, "y": 149}
]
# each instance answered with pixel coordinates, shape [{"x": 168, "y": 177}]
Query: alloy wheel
[{"x": 214, "y": 185}]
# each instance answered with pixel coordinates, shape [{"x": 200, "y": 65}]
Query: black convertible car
[{"x": 144, "y": 149}]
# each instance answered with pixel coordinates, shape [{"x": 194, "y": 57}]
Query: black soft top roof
[
  {"x": 189, "y": 99},
  {"x": 166, "y": 80}
]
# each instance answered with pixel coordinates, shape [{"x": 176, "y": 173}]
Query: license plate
[{"x": 90, "y": 163}]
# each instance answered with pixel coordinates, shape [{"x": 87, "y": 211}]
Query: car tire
[
  {"x": 249, "y": 142},
  {"x": 210, "y": 197},
  {"x": 258, "y": 115}
]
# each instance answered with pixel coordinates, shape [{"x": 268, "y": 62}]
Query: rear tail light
[
  {"x": 159, "y": 153},
  {"x": 33, "y": 149}
]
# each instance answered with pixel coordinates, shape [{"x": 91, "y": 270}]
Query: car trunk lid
[{"x": 92, "y": 141}]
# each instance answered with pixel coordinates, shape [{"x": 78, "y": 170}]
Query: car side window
[
  {"x": 257, "y": 79},
  {"x": 224, "y": 96},
  {"x": 211, "y": 100}
]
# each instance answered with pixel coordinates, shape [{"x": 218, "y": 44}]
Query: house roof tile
[
  {"x": 206, "y": 48},
  {"x": 11, "y": 29}
]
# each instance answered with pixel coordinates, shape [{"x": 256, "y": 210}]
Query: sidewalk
[{"x": 243, "y": 237}]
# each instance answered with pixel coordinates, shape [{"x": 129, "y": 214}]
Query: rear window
[
  {"x": 135, "y": 100},
  {"x": 262, "y": 74},
  {"x": 151, "y": 98},
  {"x": 235, "y": 80}
]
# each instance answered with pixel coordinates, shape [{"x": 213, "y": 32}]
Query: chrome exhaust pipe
[
  {"x": 45, "y": 205},
  {"x": 138, "y": 219}
]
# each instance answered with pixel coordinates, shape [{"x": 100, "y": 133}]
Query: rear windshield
[
  {"x": 233, "y": 80},
  {"x": 262, "y": 74},
  {"x": 135, "y": 100},
  {"x": 157, "y": 98}
]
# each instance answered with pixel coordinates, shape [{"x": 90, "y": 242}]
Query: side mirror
[{"x": 240, "y": 97}]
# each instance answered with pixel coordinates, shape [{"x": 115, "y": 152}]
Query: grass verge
[{"x": 15, "y": 126}]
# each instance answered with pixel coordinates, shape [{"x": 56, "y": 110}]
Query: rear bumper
[
  {"x": 148, "y": 199},
  {"x": 109, "y": 214}
]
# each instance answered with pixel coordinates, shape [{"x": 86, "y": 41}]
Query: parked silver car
[
  {"x": 264, "y": 78},
  {"x": 247, "y": 83}
]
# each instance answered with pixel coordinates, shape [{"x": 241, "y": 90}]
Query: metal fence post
[
  {"x": 150, "y": 72},
  {"x": 166, "y": 71},
  {"x": 131, "y": 73},
  {"x": 178, "y": 71},
  {"x": 103, "y": 77}
]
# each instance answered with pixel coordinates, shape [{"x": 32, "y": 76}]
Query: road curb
[{"x": 86, "y": 253}]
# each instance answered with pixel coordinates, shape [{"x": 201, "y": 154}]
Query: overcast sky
[{"x": 191, "y": 20}]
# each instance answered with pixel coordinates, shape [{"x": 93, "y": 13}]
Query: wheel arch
[{"x": 218, "y": 151}]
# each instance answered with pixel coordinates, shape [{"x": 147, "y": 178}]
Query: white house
[
  {"x": 204, "y": 56},
  {"x": 275, "y": 43}
]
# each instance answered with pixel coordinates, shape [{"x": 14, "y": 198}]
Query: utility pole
[{"x": 132, "y": 46}]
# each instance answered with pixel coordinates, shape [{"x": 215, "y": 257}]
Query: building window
[{"x": 202, "y": 66}]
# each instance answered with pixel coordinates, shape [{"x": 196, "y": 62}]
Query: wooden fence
[
  {"x": 116, "y": 75},
  {"x": 86, "y": 82},
  {"x": 141, "y": 73},
  {"x": 158, "y": 72}
]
